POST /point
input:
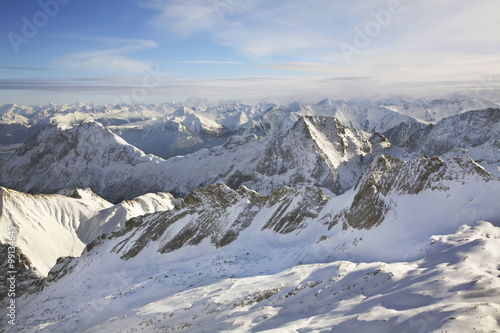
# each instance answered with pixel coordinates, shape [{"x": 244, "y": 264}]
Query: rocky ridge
[{"x": 317, "y": 150}]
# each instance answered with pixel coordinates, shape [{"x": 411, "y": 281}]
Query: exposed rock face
[
  {"x": 467, "y": 130},
  {"x": 84, "y": 156},
  {"x": 293, "y": 208},
  {"x": 475, "y": 131},
  {"x": 219, "y": 214},
  {"x": 27, "y": 279},
  {"x": 232, "y": 236},
  {"x": 319, "y": 151},
  {"x": 401, "y": 133},
  {"x": 389, "y": 176},
  {"x": 315, "y": 151}
]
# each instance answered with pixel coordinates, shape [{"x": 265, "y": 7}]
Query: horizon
[
  {"x": 276, "y": 100},
  {"x": 151, "y": 52}
]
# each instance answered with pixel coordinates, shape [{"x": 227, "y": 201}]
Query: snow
[
  {"x": 292, "y": 262},
  {"x": 46, "y": 225},
  {"x": 115, "y": 217},
  {"x": 428, "y": 266},
  {"x": 53, "y": 226},
  {"x": 445, "y": 290}
]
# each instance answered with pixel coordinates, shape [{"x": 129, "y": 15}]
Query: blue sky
[{"x": 151, "y": 51}]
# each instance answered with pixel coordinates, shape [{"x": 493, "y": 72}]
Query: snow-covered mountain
[
  {"x": 433, "y": 110},
  {"x": 47, "y": 224},
  {"x": 316, "y": 150},
  {"x": 43, "y": 228},
  {"x": 475, "y": 133},
  {"x": 283, "y": 218},
  {"x": 83, "y": 156},
  {"x": 454, "y": 288},
  {"x": 321, "y": 152},
  {"x": 196, "y": 124},
  {"x": 363, "y": 114},
  {"x": 174, "y": 137},
  {"x": 48, "y": 227},
  {"x": 224, "y": 259}
]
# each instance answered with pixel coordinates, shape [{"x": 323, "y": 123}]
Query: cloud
[
  {"x": 400, "y": 44},
  {"x": 109, "y": 59},
  {"x": 138, "y": 43},
  {"x": 348, "y": 85},
  {"x": 208, "y": 62},
  {"x": 255, "y": 28},
  {"x": 258, "y": 28},
  {"x": 184, "y": 17},
  {"x": 25, "y": 68}
]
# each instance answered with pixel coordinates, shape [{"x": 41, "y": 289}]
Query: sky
[{"x": 154, "y": 51}]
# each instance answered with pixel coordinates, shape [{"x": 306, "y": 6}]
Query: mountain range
[{"x": 365, "y": 215}]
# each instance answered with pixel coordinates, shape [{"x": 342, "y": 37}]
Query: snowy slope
[
  {"x": 46, "y": 224},
  {"x": 83, "y": 156},
  {"x": 475, "y": 133},
  {"x": 234, "y": 260},
  {"x": 115, "y": 217},
  {"x": 164, "y": 139},
  {"x": 406, "y": 197},
  {"x": 91, "y": 156},
  {"x": 15, "y": 114},
  {"x": 397, "y": 249},
  {"x": 52, "y": 226},
  {"x": 317, "y": 151},
  {"x": 453, "y": 289},
  {"x": 433, "y": 110},
  {"x": 367, "y": 115},
  {"x": 70, "y": 114},
  {"x": 211, "y": 120}
]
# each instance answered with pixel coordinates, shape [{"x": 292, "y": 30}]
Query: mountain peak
[{"x": 388, "y": 176}]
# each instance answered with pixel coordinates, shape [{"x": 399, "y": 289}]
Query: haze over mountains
[{"x": 361, "y": 215}]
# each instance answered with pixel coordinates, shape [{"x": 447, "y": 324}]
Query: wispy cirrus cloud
[
  {"x": 421, "y": 46},
  {"x": 347, "y": 85},
  {"x": 108, "y": 40},
  {"x": 282, "y": 47},
  {"x": 208, "y": 62},
  {"x": 18, "y": 68},
  {"x": 314, "y": 29},
  {"x": 106, "y": 60},
  {"x": 255, "y": 28}
]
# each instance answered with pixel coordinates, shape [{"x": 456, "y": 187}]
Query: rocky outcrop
[
  {"x": 321, "y": 152},
  {"x": 315, "y": 151},
  {"x": 399, "y": 134},
  {"x": 15, "y": 264},
  {"x": 467, "y": 130},
  {"x": 219, "y": 214},
  {"x": 84, "y": 156},
  {"x": 389, "y": 176}
]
